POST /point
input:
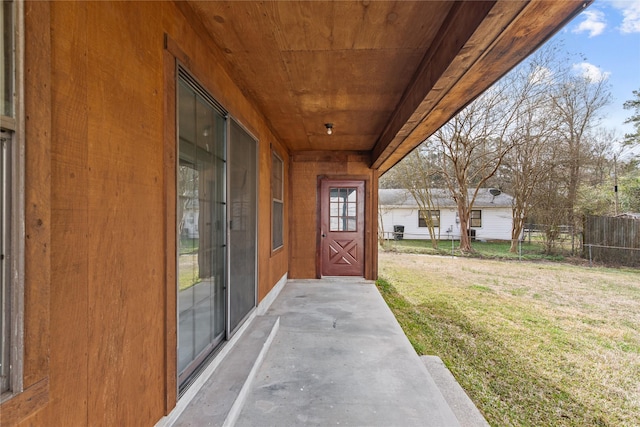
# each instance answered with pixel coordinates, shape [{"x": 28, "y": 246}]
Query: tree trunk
[
  {"x": 465, "y": 240},
  {"x": 516, "y": 232}
]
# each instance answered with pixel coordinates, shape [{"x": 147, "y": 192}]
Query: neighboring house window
[
  {"x": 476, "y": 218},
  {"x": 424, "y": 214},
  {"x": 277, "y": 197},
  {"x": 11, "y": 206}
]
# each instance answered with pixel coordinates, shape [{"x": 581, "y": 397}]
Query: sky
[{"x": 607, "y": 35}]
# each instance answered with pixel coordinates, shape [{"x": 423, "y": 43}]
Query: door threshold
[{"x": 345, "y": 278}]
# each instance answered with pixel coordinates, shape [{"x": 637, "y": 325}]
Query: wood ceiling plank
[
  {"x": 401, "y": 24},
  {"x": 312, "y": 103},
  {"x": 317, "y": 25},
  {"x": 292, "y": 130},
  {"x": 355, "y": 122},
  {"x": 327, "y": 84},
  {"x": 301, "y": 62},
  {"x": 358, "y": 72},
  {"x": 341, "y": 143},
  {"x": 292, "y": 57}
]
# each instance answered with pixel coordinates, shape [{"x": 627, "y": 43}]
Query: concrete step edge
[
  {"x": 461, "y": 405},
  {"x": 236, "y": 408}
]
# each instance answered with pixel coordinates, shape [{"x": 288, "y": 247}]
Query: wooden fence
[{"x": 612, "y": 240}]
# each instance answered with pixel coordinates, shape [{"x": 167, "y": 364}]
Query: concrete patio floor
[{"x": 326, "y": 352}]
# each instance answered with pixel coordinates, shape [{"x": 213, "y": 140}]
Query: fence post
[
  {"x": 589, "y": 255},
  {"x": 451, "y": 244},
  {"x": 519, "y": 250}
]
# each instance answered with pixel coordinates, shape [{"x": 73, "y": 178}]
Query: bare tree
[
  {"x": 577, "y": 102},
  {"x": 533, "y": 155},
  {"x": 550, "y": 210},
  {"x": 555, "y": 128},
  {"x": 420, "y": 186},
  {"x": 187, "y": 193},
  {"x": 473, "y": 145},
  {"x": 527, "y": 166}
]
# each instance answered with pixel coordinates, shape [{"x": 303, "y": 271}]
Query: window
[
  {"x": 343, "y": 205},
  {"x": 476, "y": 218},
  {"x": 277, "y": 206},
  {"x": 424, "y": 214},
  {"x": 11, "y": 206}
]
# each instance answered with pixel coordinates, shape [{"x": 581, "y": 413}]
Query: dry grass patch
[{"x": 532, "y": 343}]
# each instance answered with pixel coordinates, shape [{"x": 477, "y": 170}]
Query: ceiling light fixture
[{"x": 329, "y": 127}]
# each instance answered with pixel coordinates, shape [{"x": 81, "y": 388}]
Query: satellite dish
[{"x": 495, "y": 192}]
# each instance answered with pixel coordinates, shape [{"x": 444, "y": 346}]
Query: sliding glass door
[
  {"x": 216, "y": 226},
  {"x": 242, "y": 224},
  {"x": 201, "y": 215}
]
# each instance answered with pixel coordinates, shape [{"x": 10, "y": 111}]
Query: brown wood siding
[
  {"x": 125, "y": 221},
  {"x": 98, "y": 324},
  {"x": 69, "y": 219},
  {"x": 170, "y": 238},
  {"x": 306, "y": 169},
  {"x": 37, "y": 194}
]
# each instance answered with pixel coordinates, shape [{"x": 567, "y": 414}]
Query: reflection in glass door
[{"x": 201, "y": 217}]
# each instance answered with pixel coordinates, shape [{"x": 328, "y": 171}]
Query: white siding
[{"x": 496, "y": 223}]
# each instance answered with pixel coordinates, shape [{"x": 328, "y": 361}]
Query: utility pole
[{"x": 615, "y": 181}]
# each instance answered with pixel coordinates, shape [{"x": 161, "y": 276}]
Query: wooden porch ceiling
[{"x": 387, "y": 74}]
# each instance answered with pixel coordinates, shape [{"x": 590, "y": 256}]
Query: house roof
[
  {"x": 441, "y": 198},
  {"x": 387, "y": 74}
]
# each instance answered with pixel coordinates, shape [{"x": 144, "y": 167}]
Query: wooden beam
[{"x": 463, "y": 20}]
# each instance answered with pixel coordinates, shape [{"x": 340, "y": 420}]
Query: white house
[{"x": 490, "y": 217}]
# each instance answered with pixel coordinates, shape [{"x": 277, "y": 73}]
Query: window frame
[
  {"x": 478, "y": 219},
  {"x": 12, "y": 216},
  {"x": 347, "y": 220},
  {"x": 275, "y": 159},
  {"x": 422, "y": 220}
]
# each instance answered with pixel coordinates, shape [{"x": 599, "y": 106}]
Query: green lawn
[
  {"x": 499, "y": 250},
  {"x": 188, "y": 263},
  {"x": 533, "y": 344}
]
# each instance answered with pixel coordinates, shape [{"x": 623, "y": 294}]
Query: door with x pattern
[{"x": 342, "y": 228}]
